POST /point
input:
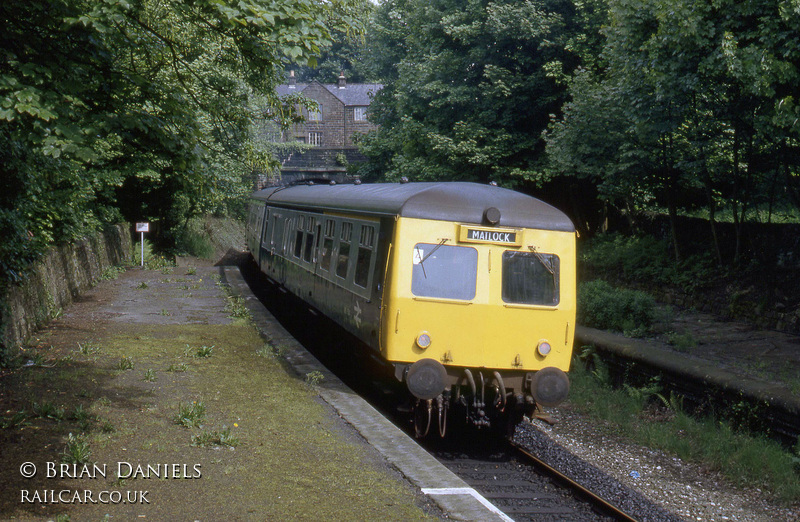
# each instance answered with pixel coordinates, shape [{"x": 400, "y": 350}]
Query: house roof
[
  {"x": 445, "y": 201},
  {"x": 351, "y": 94}
]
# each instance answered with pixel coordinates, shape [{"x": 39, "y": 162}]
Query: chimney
[
  {"x": 292, "y": 81},
  {"x": 342, "y": 81}
]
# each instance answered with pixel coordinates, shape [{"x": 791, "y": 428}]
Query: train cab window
[
  {"x": 530, "y": 278},
  {"x": 327, "y": 245},
  {"x": 448, "y": 272},
  {"x": 343, "y": 260},
  {"x": 365, "y": 248}
]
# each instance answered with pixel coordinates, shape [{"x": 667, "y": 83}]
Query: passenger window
[
  {"x": 344, "y": 250},
  {"x": 530, "y": 278},
  {"x": 448, "y": 272},
  {"x": 327, "y": 245},
  {"x": 298, "y": 240},
  {"x": 365, "y": 248},
  {"x": 308, "y": 253}
]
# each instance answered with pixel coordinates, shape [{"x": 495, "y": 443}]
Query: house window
[
  {"x": 315, "y": 114},
  {"x": 315, "y": 138},
  {"x": 359, "y": 114}
]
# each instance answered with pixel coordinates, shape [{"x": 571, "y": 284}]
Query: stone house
[{"x": 342, "y": 113}]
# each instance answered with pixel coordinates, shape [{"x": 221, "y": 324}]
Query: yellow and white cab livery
[{"x": 467, "y": 291}]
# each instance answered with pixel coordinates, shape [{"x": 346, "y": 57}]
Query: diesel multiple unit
[{"x": 467, "y": 291}]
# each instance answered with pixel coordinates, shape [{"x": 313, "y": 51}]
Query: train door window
[
  {"x": 448, "y": 272},
  {"x": 364, "y": 259},
  {"x": 530, "y": 278},
  {"x": 265, "y": 232},
  {"x": 287, "y": 235},
  {"x": 343, "y": 260},
  {"x": 327, "y": 245},
  {"x": 277, "y": 231},
  {"x": 308, "y": 249},
  {"x": 298, "y": 240}
]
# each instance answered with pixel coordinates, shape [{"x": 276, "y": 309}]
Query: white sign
[{"x": 143, "y": 227}]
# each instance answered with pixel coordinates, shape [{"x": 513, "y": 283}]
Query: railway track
[{"x": 525, "y": 487}]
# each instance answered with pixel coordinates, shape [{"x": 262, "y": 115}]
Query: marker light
[
  {"x": 423, "y": 340},
  {"x": 543, "y": 348}
]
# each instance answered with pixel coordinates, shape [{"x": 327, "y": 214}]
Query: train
[{"x": 466, "y": 292}]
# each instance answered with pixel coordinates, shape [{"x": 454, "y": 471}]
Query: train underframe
[{"x": 479, "y": 397}]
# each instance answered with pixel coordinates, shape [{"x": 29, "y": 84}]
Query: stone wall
[{"x": 56, "y": 279}]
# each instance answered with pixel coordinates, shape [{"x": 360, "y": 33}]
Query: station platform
[
  {"x": 127, "y": 366},
  {"x": 730, "y": 358}
]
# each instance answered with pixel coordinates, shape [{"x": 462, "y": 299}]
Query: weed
[
  {"x": 237, "y": 308},
  {"x": 177, "y": 368},
  {"x": 88, "y": 348},
  {"x": 190, "y": 415},
  {"x": 314, "y": 378},
  {"x": 165, "y": 312},
  {"x": 106, "y": 426},
  {"x": 215, "y": 438},
  {"x": 104, "y": 401},
  {"x": 149, "y": 375},
  {"x": 111, "y": 272},
  {"x": 36, "y": 359},
  {"x": 48, "y": 410},
  {"x": 142, "y": 285},
  {"x": 124, "y": 364},
  {"x": 602, "y": 306},
  {"x": 77, "y": 450},
  {"x": 166, "y": 270},
  {"x": 80, "y": 414},
  {"x": 17, "y": 420},
  {"x": 191, "y": 270},
  {"x": 266, "y": 352},
  {"x": 204, "y": 352},
  {"x": 682, "y": 342}
]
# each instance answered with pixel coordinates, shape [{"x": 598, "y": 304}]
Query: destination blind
[{"x": 482, "y": 235}]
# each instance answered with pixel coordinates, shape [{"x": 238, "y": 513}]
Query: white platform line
[{"x": 471, "y": 492}]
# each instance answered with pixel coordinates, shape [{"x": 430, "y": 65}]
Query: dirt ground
[{"x": 117, "y": 384}]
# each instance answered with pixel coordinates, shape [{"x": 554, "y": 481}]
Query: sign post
[{"x": 143, "y": 227}]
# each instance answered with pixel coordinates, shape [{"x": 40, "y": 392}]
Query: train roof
[{"x": 443, "y": 201}]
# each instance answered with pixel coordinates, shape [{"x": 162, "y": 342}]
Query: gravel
[{"x": 648, "y": 484}]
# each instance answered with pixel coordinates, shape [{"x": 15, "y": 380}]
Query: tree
[
  {"x": 139, "y": 107},
  {"x": 472, "y": 85},
  {"x": 700, "y": 100}
]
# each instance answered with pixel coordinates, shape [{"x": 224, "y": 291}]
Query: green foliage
[
  {"x": 743, "y": 459},
  {"x": 190, "y": 415},
  {"x": 139, "y": 110},
  {"x": 237, "y": 308},
  {"x": 471, "y": 88},
  {"x": 628, "y": 311},
  {"x": 693, "y": 104},
  {"x": 48, "y": 410},
  {"x": 216, "y": 438},
  {"x": 125, "y": 363},
  {"x": 646, "y": 260},
  {"x": 194, "y": 242},
  {"x": 204, "y": 352},
  {"x": 77, "y": 450}
]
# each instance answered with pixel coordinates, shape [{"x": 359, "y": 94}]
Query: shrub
[{"x": 603, "y": 306}]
